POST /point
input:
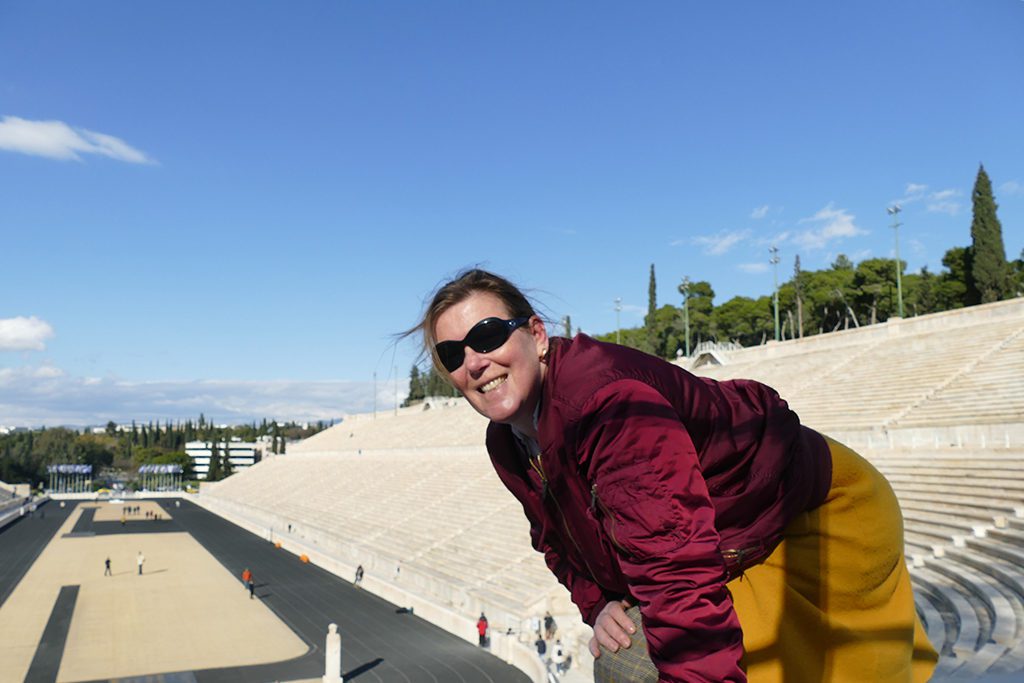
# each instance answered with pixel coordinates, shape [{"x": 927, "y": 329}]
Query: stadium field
[{"x": 188, "y": 617}]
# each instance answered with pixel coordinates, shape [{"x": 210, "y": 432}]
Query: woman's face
[{"x": 503, "y": 385}]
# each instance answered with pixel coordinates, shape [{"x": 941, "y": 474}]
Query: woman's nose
[{"x": 475, "y": 362}]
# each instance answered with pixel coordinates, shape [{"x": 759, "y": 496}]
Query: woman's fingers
[
  {"x": 612, "y": 628},
  {"x": 623, "y": 620}
]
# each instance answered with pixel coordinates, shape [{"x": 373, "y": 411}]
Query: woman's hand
[{"x": 612, "y": 628}]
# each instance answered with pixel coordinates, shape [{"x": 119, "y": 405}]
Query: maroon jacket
[{"x": 660, "y": 485}]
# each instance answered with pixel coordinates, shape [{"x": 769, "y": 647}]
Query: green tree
[
  {"x": 226, "y": 468},
  {"x": 874, "y": 282},
  {"x": 95, "y": 450},
  {"x": 216, "y": 471},
  {"x": 650, "y": 324},
  {"x": 988, "y": 274},
  {"x": 921, "y": 291},
  {"x": 417, "y": 387},
  {"x": 799, "y": 295},
  {"x": 1017, "y": 276},
  {"x": 702, "y": 321},
  {"x": 842, "y": 262},
  {"x": 55, "y": 445},
  {"x": 436, "y": 385},
  {"x": 744, "y": 320},
  {"x": 951, "y": 290}
]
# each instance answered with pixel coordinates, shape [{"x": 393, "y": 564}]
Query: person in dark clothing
[
  {"x": 542, "y": 647},
  {"x": 359, "y": 575},
  {"x": 549, "y": 626},
  {"x": 106, "y": 567}
]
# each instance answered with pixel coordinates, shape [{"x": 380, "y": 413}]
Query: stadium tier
[{"x": 936, "y": 402}]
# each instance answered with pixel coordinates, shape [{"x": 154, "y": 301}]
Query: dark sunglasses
[{"x": 484, "y": 337}]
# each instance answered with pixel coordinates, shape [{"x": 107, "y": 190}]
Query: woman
[{"x": 742, "y": 542}]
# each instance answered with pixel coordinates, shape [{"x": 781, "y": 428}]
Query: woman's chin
[{"x": 495, "y": 411}]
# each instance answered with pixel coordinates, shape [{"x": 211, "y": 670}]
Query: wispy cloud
[
  {"x": 58, "y": 140},
  {"x": 829, "y": 225},
  {"x": 719, "y": 243},
  {"x": 48, "y": 396},
  {"x": 1011, "y": 187},
  {"x": 24, "y": 334},
  {"x": 753, "y": 267},
  {"x": 951, "y": 208},
  {"x": 760, "y": 212}
]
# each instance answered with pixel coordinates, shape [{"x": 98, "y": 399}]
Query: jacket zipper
[{"x": 538, "y": 467}]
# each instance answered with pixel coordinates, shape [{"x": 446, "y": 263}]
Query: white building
[{"x": 240, "y": 454}]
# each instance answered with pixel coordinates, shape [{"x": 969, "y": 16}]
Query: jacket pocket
[{"x": 639, "y": 521}]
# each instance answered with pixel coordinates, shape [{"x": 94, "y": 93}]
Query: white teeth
[{"x": 494, "y": 383}]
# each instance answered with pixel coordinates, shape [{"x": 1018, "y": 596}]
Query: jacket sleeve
[
  {"x": 585, "y": 593},
  {"x": 655, "y": 506}
]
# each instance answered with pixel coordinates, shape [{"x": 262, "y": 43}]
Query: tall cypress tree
[
  {"x": 652, "y": 306},
  {"x": 987, "y": 278},
  {"x": 798, "y": 285},
  {"x": 215, "y": 471}
]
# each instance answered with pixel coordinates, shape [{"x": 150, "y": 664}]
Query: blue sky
[{"x": 231, "y": 207}]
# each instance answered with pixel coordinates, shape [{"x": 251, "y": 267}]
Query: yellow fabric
[{"x": 833, "y": 602}]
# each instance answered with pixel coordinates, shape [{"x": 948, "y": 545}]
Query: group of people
[{"x": 559, "y": 658}]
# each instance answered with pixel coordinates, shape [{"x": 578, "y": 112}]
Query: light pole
[
  {"x": 684, "y": 289},
  {"x": 894, "y": 211},
  {"x": 774, "y": 260},
  {"x": 618, "y": 325}
]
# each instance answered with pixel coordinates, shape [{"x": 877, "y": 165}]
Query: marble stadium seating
[{"x": 937, "y": 403}]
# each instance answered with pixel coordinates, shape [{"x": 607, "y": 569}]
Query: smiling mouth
[{"x": 493, "y": 384}]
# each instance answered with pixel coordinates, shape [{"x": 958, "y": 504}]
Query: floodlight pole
[
  {"x": 894, "y": 211},
  {"x": 684, "y": 289},
  {"x": 618, "y": 325},
  {"x": 774, "y": 260}
]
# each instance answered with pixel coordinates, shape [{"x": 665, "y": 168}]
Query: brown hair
[{"x": 457, "y": 290}]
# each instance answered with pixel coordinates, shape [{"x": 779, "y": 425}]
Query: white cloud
[
  {"x": 951, "y": 208},
  {"x": 831, "y": 225},
  {"x": 1011, "y": 187},
  {"x": 944, "y": 194},
  {"x": 760, "y": 212},
  {"x": 58, "y": 140},
  {"x": 24, "y": 334},
  {"x": 914, "y": 192},
  {"x": 721, "y": 242},
  {"x": 46, "y": 395},
  {"x": 753, "y": 267}
]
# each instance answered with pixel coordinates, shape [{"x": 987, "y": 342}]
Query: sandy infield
[{"x": 186, "y": 612}]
